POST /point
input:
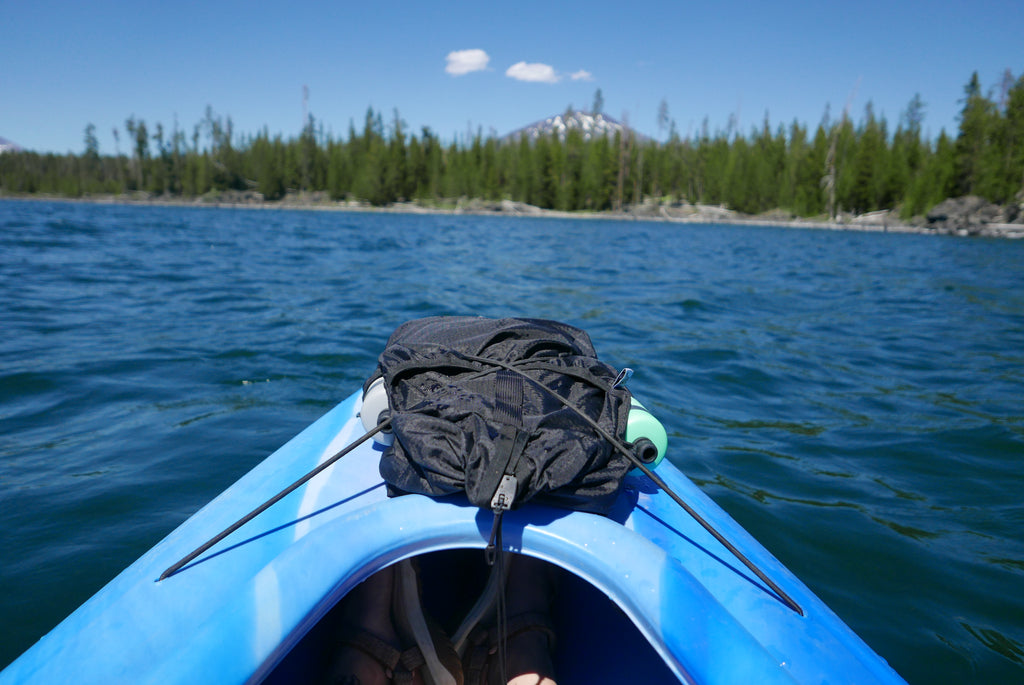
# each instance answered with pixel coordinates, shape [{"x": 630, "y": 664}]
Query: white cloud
[
  {"x": 464, "y": 61},
  {"x": 533, "y": 72},
  {"x": 582, "y": 75}
]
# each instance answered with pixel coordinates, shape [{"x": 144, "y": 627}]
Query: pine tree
[
  {"x": 396, "y": 183},
  {"x": 268, "y": 166},
  {"x": 547, "y": 172},
  {"x": 810, "y": 199},
  {"x": 975, "y": 123},
  {"x": 1013, "y": 164},
  {"x": 864, "y": 193}
]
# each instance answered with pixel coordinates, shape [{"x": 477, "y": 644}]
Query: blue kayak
[{"x": 648, "y": 594}]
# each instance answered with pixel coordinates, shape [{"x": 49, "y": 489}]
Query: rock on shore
[{"x": 974, "y": 215}]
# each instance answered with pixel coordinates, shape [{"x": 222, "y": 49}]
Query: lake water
[{"x": 854, "y": 400}]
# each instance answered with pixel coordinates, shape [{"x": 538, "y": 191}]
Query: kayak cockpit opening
[{"x": 586, "y": 636}]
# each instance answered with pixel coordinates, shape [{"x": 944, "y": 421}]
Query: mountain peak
[{"x": 591, "y": 125}]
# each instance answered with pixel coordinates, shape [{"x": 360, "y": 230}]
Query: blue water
[{"x": 854, "y": 400}]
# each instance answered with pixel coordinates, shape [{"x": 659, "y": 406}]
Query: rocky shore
[
  {"x": 973, "y": 215},
  {"x": 965, "y": 216}
]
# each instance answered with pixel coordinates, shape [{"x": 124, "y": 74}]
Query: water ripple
[{"x": 852, "y": 399}]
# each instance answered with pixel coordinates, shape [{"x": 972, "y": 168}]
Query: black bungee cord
[
  {"x": 619, "y": 446},
  {"x": 779, "y": 592},
  {"x": 191, "y": 556}
]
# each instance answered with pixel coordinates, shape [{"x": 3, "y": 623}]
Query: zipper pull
[
  {"x": 500, "y": 503},
  {"x": 505, "y": 494}
]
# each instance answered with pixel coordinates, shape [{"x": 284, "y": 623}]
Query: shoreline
[{"x": 876, "y": 222}]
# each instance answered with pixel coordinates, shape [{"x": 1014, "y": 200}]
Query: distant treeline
[{"x": 840, "y": 166}]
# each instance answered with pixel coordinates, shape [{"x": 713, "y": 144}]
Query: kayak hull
[{"x": 693, "y": 612}]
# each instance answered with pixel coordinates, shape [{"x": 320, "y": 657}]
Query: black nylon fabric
[{"x": 460, "y": 423}]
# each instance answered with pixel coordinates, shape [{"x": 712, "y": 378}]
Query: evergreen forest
[{"x": 842, "y": 165}]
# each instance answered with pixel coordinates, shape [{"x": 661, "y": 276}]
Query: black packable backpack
[{"x": 499, "y": 409}]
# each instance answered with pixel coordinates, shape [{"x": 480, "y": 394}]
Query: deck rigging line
[
  {"x": 624, "y": 449},
  {"x": 191, "y": 556},
  {"x": 779, "y": 592}
]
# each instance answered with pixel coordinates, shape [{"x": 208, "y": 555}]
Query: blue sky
[{"x": 65, "y": 64}]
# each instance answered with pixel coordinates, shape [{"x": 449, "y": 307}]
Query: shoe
[
  {"x": 481, "y": 663},
  {"x": 425, "y": 649},
  {"x": 497, "y": 650}
]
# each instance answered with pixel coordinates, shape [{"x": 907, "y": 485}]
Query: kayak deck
[{"x": 646, "y": 588}]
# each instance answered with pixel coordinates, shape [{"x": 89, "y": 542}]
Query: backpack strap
[{"x": 499, "y": 475}]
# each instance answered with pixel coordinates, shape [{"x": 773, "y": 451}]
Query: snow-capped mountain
[
  {"x": 8, "y": 146},
  {"x": 592, "y": 126}
]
